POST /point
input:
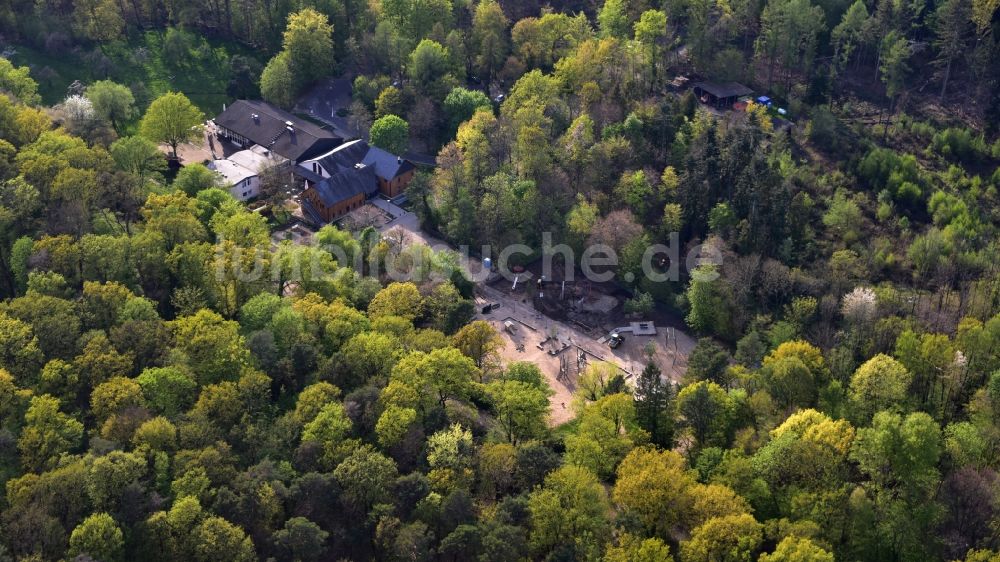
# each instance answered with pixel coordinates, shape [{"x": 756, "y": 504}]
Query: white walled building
[{"x": 242, "y": 170}]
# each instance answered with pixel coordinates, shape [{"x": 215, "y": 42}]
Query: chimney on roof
[{"x": 399, "y": 159}]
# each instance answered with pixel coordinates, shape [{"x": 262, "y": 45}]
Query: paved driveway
[
  {"x": 323, "y": 101},
  {"x": 394, "y": 211},
  {"x": 409, "y": 223}
]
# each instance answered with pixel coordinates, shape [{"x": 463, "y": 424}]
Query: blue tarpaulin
[{"x": 764, "y": 100}]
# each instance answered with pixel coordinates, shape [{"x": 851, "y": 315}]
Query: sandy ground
[
  {"x": 207, "y": 148},
  {"x": 194, "y": 152},
  {"x": 525, "y": 345},
  {"x": 671, "y": 347},
  {"x": 363, "y": 217}
]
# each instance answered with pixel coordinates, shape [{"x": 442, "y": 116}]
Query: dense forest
[{"x": 842, "y": 402}]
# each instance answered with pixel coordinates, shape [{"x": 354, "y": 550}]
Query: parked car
[{"x": 615, "y": 340}]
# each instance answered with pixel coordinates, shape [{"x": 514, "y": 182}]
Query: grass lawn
[
  {"x": 564, "y": 430},
  {"x": 201, "y": 70}
]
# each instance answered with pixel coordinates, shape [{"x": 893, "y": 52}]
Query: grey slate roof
[
  {"x": 347, "y": 184},
  {"x": 387, "y": 165},
  {"x": 344, "y": 157},
  {"x": 269, "y": 129}
]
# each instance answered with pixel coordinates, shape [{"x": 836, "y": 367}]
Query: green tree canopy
[
  {"x": 16, "y": 80},
  {"x": 113, "y": 102},
  {"x": 172, "y": 119},
  {"x": 879, "y": 383},
  {"x": 569, "y": 513},
  {"x": 277, "y": 80},
  {"x": 390, "y": 133},
  {"x": 461, "y": 104},
  {"x": 99, "y": 537},
  {"x": 308, "y": 41},
  {"x": 47, "y": 432}
]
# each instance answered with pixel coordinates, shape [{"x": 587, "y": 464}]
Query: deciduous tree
[
  {"x": 569, "y": 513},
  {"x": 308, "y": 42},
  {"x": 734, "y": 538},
  {"x": 521, "y": 408},
  {"x": 390, "y": 133},
  {"x": 113, "y": 102},
  {"x": 172, "y": 119},
  {"x": 213, "y": 346},
  {"x": 480, "y": 342},
  {"x": 704, "y": 408},
  {"x": 47, "y": 433},
  {"x": 17, "y": 81},
  {"x": 461, "y": 104},
  {"x": 366, "y": 476},
  {"x": 880, "y": 383},
  {"x": 797, "y": 549},
  {"x": 396, "y": 299},
  {"x": 708, "y": 303},
  {"x": 277, "y": 81},
  {"x": 99, "y": 537},
  {"x": 655, "y": 486},
  {"x": 301, "y": 539},
  {"x": 489, "y": 38}
]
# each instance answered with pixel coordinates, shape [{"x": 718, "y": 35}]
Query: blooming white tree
[
  {"x": 77, "y": 115},
  {"x": 860, "y": 305},
  {"x": 79, "y": 110}
]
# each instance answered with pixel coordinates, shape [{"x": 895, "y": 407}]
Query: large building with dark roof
[
  {"x": 339, "y": 176},
  {"x": 392, "y": 173},
  {"x": 329, "y": 198},
  {"x": 250, "y": 122},
  {"x": 340, "y": 158}
]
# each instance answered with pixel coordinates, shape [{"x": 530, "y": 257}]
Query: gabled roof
[
  {"x": 387, "y": 165},
  {"x": 347, "y": 184},
  {"x": 233, "y": 172},
  {"x": 267, "y": 125},
  {"x": 724, "y": 89},
  {"x": 255, "y": 158},
  {"x": 344, "y": 157},
  {"x": 241, "y": 165}
]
